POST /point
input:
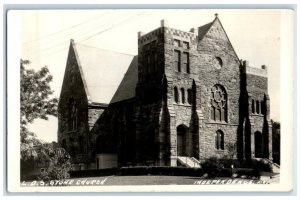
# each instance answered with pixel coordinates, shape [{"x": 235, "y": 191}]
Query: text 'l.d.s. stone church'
[{"x": 184, "y": 98}]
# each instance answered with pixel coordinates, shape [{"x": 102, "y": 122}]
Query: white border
[{"x": 286, "y": 125}]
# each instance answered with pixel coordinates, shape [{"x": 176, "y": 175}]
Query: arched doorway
[
  {"x": 181, "y": 140},
  {"x": 258, "y": 147}
]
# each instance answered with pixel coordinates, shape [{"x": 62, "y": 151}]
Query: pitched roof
[
  {"x": 202, "y": 30},
  {"x": 126, "y": 89},
  {"x": 103, "y": 71}
]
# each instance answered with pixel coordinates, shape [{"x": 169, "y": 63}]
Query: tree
[
  {"x": 35, "y": 94},
  {"x": 36, "y": 102}
]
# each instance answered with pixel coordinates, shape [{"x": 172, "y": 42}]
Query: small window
[
  {"x": 176, "y": 94},
  {"x": 176, "y": 43},
  {"x": 257, "y": 107},
  {"x": 177, "y": 60},
  {"x": 217, "y": 62},
  {"x": 189, "y": 91},
  {"x": 182, "y": 96},
  {"x": 263, "y": 107},
  {"x": 186, "y": 62},
  {"x": 185, "y": 45},
  {"x": 72, "y": 112},
  {"x": 253, "y": 106},
  {"x": 219, "y": 140}
]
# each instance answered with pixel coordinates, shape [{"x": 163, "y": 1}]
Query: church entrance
[
  {"x": 258, "y": 144},
  {"x": 181, "y": 140}
]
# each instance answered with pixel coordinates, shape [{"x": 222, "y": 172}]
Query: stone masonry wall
[
  {"x": 215, "y": 45},
  {"x": 76, "y": 140}
]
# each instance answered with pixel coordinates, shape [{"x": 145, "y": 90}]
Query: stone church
[{"x": 184, "y": 98}]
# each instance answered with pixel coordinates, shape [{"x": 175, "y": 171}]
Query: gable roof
[
  {"x": 202, "y": 30},
  {"x": 102, "y": 72}
]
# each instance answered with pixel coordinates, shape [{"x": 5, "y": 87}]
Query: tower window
[
  {"x": 176, "y": 94},
  {"x": 182, "y": 95},
  {"x": 253, "y": 106},
  {"x": 189, "y": 97},
  {"x": 186, "y": 62},
  {"x": 263, "y": 108},
  {"x": 177, "y": 60},
  {"x": 257, "y": 107},
  {"x": 219, "y": 140},
  {"x": 185, "y": 45},
  {"x": 218, "y": 103},
  {"x": 176, "y": 43}
]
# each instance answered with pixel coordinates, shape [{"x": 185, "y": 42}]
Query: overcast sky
[{"x": 45, "y": 37}]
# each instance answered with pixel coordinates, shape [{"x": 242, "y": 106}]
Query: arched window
[
  {"x": 189, "y": 97},
  {"x": 253, "y": 106},
  {"x": 72, "y": 118},
  {"x": 182, "y": 96},
  {"x": 219, "y": 140},
  {"x": 218, "y": 102},
  {"x": 257, "y": 107},
  {"x": 176, "y": 94}
]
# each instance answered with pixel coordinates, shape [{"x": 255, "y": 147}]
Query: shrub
[{"x": 215, "y": 167}]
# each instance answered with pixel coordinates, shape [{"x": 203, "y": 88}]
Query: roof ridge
[{"x": 103, "y": 49}]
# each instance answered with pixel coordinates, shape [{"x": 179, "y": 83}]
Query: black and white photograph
[{"x": 149, "y": 100}]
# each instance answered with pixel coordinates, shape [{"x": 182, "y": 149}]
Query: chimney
[
  {"x": 246, "y": 63},
  {"x": 164, "y": 23},
  {"x": 264, "y": 67}
]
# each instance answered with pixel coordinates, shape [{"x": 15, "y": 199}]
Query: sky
[{"x": 44, "y": 35}]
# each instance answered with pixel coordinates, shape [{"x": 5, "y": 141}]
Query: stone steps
[{"x": 188, "y": 161}]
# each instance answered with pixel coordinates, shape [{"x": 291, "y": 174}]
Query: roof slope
[
  {"x": 202, "y": 30},
  {"x": 102, "y": 72},
  {"x": 126, "y": 89}
]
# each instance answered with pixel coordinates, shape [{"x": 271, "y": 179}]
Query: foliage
[
  {"x": 59, "y": 166},
  {"x": 36, "y": 102},
  {"x": 215, "y": 167},
  {"x": 231, "y": 147},
  {"x": 35, "y": 94}
]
